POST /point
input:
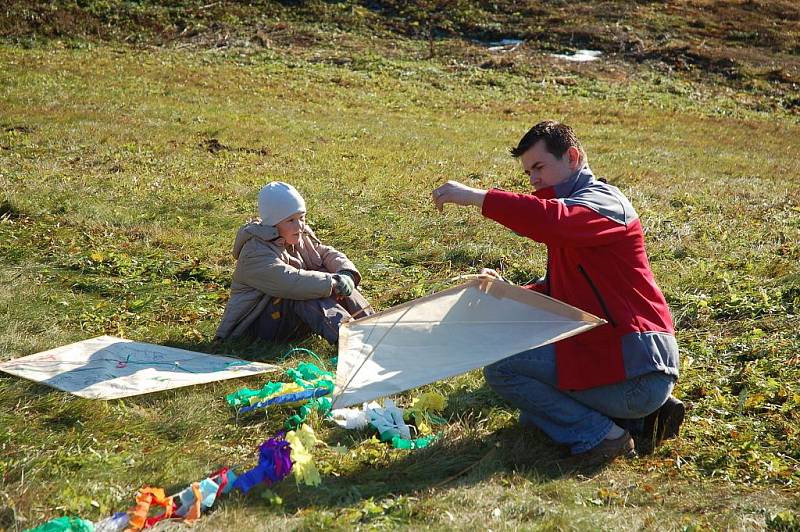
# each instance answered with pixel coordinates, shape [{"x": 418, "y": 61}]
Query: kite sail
[
  {"x": 446, "y": 334},
  {"x": 107, "y": 367}
]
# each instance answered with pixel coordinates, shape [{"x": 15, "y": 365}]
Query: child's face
[{"x": 291, "y": 228}]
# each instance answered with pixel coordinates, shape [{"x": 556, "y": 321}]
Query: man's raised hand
[{"x": 458, "y": 193}]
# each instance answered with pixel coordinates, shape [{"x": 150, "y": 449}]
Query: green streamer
[
  {"x": 307, "y": 376},
  {"x": 65, "y": 524}
]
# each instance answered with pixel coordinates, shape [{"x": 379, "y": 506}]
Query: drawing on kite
[{"x": 107, "y": 367}]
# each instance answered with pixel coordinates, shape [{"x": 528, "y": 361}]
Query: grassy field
[{"x": 126, "y": 171}]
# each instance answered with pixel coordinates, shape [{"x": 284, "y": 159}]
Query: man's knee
[{"x": 495, "y": 374}]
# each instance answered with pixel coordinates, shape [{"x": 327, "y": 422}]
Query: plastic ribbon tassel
[
  {"x": 429, "y": 402},
  {"x": 305, "y": 469},
  {"x": 190, "y": 501},
  {"x": 65, "y": 524},
  {"x": 247, "y": 396},
  {"x": 417, "y": 443},
  {"x": 147, "y": 497},
  {"x": 283, "y": 388},
  {"x": 225, "y": 477},
  {"x": 274, "y": 464},
  {"x": 388, "y": 421},
  {"x": 113, "y": 523},
  {"x": 306, "y": 436},
  {"x": 322, "y": 405},
  {"x": 351, "y": 418},
  {"x": 287, "y": 398},
  {"x": 193, "y": 514},
  {"x": 422, "y": 411},
  {"x": 308, "y": 375},
  {"x": 310, "y": 384},
  {"x": 187, "y": 505}
]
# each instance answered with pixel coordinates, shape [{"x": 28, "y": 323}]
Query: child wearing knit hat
[{"x": 286, "y": 282}]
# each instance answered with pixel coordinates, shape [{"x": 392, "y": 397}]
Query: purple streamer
[{"x": 274, "y": 464}]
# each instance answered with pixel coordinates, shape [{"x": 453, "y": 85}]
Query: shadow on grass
[
  {"x": 464, "y": 455},
  {"x": 245, "y": 348},
  {"x": 19, "y": 388},
  {"x": 445, "y": 464}
]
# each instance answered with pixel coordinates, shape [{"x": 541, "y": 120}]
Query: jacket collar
[
  {"x": 255, "y": 229},
  {"x": 567, "y": 188}
]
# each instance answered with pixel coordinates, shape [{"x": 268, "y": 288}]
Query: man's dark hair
[{"x": 557, "y": 137}]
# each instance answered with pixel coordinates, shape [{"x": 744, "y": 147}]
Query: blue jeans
[{"x": 580, "y": 419}]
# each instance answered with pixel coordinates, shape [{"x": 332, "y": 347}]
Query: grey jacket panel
[
  {"x": 644, "y": 352},
  {"x": 604, "y": 199}
]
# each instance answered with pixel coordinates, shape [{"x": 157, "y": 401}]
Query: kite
[
  {"x": 446, "y": 334},
  {"x": 110, "y": 368}
]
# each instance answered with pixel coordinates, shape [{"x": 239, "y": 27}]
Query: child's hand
[
  {"x": 486, "y": 276},
  {"x": 344, "y": 284}
]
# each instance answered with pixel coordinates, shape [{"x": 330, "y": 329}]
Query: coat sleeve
[
  {"x": 551, "y": 221},
  {"x": 334, "y": 260},
  {"x": 262, "y": 269}
]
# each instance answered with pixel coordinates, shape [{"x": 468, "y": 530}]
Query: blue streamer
[{"x": 287, "y": 398}]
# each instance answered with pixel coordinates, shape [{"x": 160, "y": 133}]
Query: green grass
[
  {"x": 117, "y": 218},
  {"x": 746, "y": 49}
]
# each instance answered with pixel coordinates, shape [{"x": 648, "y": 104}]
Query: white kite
[
  {"x": 446, "y": 334},
  {"x": 110, "y": 368}
]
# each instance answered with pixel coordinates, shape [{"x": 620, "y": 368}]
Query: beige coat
[{"x": 266, "y": 267}]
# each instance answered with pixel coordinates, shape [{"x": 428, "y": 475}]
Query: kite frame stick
[{"x": 501, "y": 289}]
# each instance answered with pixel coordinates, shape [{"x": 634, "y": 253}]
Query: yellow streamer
[{"x": 304, "y": 469}]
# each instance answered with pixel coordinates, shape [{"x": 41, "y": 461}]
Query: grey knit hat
[{"x": 277, "y": 201}]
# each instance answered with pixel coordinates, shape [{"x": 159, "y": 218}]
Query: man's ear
[{"x": 574, "y": 155}]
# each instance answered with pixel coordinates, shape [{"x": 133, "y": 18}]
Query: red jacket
[{"x": 596, "y": 261}]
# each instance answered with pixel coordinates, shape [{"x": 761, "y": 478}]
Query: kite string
[
  {"x": 407, "y": 288},
  {"x": 386, "y": 296},
  {"x": 284, "y": 356}
]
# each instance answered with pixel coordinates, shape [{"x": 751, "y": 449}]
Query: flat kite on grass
[{"x": 107, "y": 367}]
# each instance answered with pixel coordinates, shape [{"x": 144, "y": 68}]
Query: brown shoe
[
  {"x": 663, "y": 424},
  {"x": 604, "y": 452}
]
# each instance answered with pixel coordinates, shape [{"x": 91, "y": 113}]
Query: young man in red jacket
[{"x": 588, "y": 390}]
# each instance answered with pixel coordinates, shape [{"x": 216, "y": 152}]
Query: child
[{"x": 286, "y": 281}]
